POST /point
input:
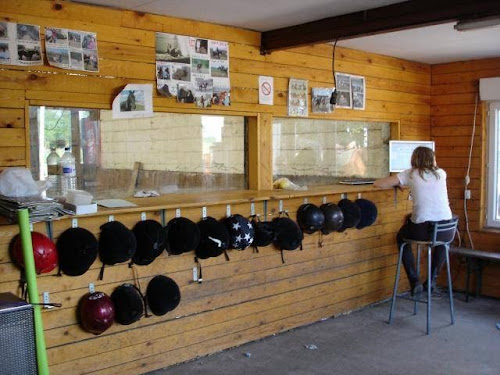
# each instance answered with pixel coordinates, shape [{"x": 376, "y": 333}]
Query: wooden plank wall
[
  {"x": 253, "y": 295},
  {"x": 453, "y": 96}
]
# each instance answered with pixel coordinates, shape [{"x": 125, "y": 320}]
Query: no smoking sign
[{"x": 266, "y": 90}]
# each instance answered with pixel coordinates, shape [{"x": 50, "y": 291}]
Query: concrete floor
[{"x": 363, "y": 343}]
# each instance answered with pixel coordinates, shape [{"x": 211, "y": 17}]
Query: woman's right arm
[{"x": 387, "y": 182}]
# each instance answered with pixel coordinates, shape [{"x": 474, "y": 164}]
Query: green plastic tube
[{"x": 29, "y": 269}]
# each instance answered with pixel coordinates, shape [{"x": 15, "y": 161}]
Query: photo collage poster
[
  {"x": 71, "y": 49},
  {"x": 320, "y": 100},
  {"x": 351, "y": 91},
  {"x": 297, "y": 98},
  {"x": 358, "y": 92},
  {"x": 194, "y": 70},
  {"x": 343, "y": 86},
  {"x": 20, "y": 44}
]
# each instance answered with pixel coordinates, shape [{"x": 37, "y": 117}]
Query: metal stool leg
[
  {"x": 450, "y": 287},
  {"x": 396, "y": 282},
  {"x": 415, "y": 307},
  {"x": 429, "y": 289}
]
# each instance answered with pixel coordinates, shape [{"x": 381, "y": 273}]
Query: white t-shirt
[{"x": 430, "y": 195}]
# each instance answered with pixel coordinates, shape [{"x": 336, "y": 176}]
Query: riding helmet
[
  {"x": 183, "y": 235},
  {"x": 369, "y": 212},
  {"x": 334, "y": 218},
  {"x": 241, "y": 231},
  {"x": 163, "y": 295},
  {"x": 214, "y": 238},
  {"x": 289, "y": 236},
  {"x": 310, "y": 218},
  {"x": 351, "y": 212},
  {"x": 77, "y": 248},
  {"x": 44, "y": 252},
  {"x": 150, "y": 238}
]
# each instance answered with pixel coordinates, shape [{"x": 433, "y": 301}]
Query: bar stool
[{"x": 438, "y": 228}]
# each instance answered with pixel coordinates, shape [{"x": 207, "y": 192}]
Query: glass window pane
[
  {"x": 497, "y": 164},
  {"x": 319, "y": 152},
  {"x": 172, "y": 152}
]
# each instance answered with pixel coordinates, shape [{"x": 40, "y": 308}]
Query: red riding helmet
[
  {"x": 96, "y": 312},
  {"x": 44, "y": 252}
]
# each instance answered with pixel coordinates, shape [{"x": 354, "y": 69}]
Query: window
[
  {"x": 493, "y": 207},
  {"x": 320, "y": 152},
  {"x": 167, "y": 153}
]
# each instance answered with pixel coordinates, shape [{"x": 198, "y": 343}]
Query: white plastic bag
[{"x": 18, "y": 182}]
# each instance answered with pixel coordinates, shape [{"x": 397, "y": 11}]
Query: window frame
[{"x": 493, "y": 164}]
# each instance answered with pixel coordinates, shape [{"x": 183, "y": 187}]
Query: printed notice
[{"x": 266, "y": 90}]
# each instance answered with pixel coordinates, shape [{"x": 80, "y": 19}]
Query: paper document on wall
[
  {"x": 20, "y": 44},
  {"x": 135, "y": 100}
]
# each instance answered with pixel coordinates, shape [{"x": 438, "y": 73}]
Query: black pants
[{"x": 422, "y": 232}]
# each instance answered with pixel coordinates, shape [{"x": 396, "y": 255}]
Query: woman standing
[{"x": 427, "y": 183}]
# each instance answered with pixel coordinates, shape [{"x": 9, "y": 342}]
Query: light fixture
[{"x": 479, "y": 23}]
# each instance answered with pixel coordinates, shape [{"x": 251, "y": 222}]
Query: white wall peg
[
  {"x": 359, "y": 195},
  {"x": 177, "y": 212},
  {"x": 46, "y": 300},
  {"x": 143, "y": 216},
  {"x": 91, "y": 288},
  {"x": 111, "y": 218},
  {"x": 228, "y": 210},
  {"x": 203, "y": 212},
  {"x": 324, "y": 200},
  {"x": 280, "y": 206},
  {"x": 343, "y": 196},
  {"x": 252, "y": 209},
  {"x": 74, "y": 223},
  {"x": 305, "y": 200}
]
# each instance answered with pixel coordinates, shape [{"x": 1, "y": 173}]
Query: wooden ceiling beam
[{"x": 399, "y": 16}]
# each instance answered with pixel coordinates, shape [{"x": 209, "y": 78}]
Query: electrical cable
[
  {"x": 333, "y": 98},
  {"x": 467, "y": 176}
]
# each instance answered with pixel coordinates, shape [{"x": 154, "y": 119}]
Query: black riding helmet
[
  {"x": 77, "y": 248},
  {"x": 369, "y": 212},
  {"x": 129, "y": 304},
  {"x": 310, "y": 218},
  {"x": 162, "y": 294},
  {"x": 334, "y": 218},
  {"x": 150, "y": 239},
  {"x": 264, "y": 233},
  {"x": 117, "y": 243},
  {"x": 183, "y": 235},
  {"x": 289, "y": 236},
  {"x": 351, "y": 212},
  {"x": 214, "y": 238}
]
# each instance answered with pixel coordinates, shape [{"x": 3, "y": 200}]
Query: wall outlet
[{"x": 467, "y": 194}]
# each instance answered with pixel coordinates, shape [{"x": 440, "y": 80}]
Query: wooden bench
[{"x": 475, "y": 261}]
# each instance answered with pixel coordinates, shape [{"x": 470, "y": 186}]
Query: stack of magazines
[{"x": 39, "y": 208}]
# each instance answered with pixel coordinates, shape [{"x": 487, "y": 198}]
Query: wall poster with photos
[
  {"x": 351, "y": 91},
  {"x": 71, "y": 49},
  {"x": 297, "y": 98},
  {"x": 320, "y": 100},
  {"x": 358, "y": 92},
  {"x": 20, "y": 44},
  {"x": 343, "y": 86},
  {"x": 194, "y": 70}
]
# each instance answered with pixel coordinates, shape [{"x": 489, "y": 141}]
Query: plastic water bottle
[
  {"x": 68, "y": 171},
  {"x": 53, "y": 175}
]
